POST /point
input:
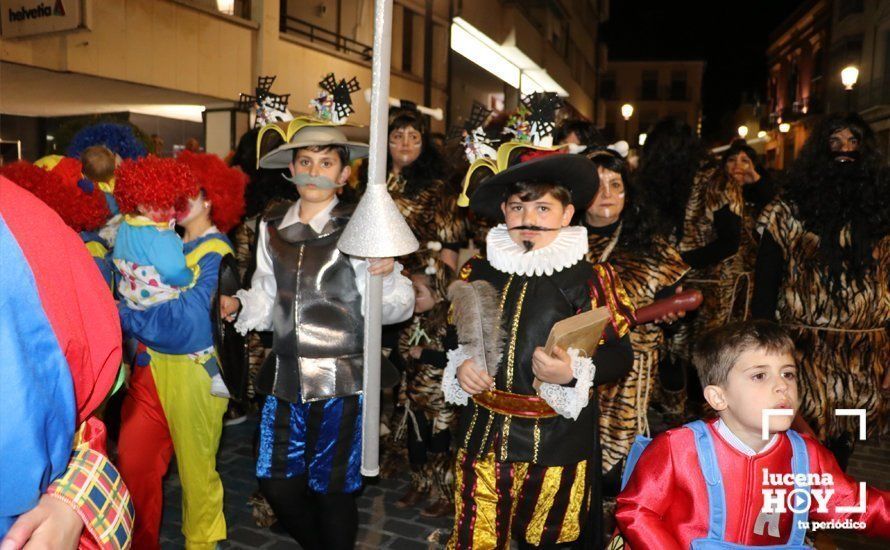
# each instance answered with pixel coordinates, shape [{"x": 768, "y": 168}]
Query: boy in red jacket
[{"x": 728, "y": 480}]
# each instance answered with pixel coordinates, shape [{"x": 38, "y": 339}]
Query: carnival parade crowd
[{"x": 147, "y": 301}]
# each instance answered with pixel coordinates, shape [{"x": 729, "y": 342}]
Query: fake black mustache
[
  {"x": 532, "y": 228},
  {"x": 528, "y": 245}
]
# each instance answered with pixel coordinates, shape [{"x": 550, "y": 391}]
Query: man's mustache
[{"x": 532, "y": 228}]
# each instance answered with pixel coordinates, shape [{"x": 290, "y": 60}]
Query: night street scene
[{"x": 444, "y": 274}]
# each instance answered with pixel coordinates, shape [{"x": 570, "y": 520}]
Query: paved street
[
  {"x": 382, "y": 524},
  {"x": 385, "y": 526}
]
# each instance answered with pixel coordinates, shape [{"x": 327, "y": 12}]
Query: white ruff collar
[{"x": 504, "y": 254}]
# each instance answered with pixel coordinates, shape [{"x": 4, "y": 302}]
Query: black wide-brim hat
[{"x": 576, "y": 173}]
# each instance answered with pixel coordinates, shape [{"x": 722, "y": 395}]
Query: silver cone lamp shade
[{"x": 377, "y": 229}]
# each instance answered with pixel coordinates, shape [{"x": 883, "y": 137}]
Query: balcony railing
[{"x": 344, "y": 44}]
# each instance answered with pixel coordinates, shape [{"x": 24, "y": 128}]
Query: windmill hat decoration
[
  {"x": 476, "y": 143},
  {"x": 331, "y": 111},
  {"x": 535, "y": 119},
  {"x": 334, "y": 100},
  {"x": 268, "y": 107},
  {"x": 530, "y": 126}
]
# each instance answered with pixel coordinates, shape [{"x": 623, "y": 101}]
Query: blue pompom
[
  {"x": 86, "y": 185},
  {"x": 143, "y": 359}
]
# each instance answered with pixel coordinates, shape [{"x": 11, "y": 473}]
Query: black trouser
[{"x": 316, "y": 521}]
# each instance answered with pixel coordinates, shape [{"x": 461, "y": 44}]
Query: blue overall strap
[
  {"x": 800, "y": 464},
  {"x": 636, "y": 450},
  {"x": 710, "y": 469}
]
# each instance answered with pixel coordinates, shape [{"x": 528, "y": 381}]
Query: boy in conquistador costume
[
  {"x": 310, "y": 295},
  {"x": 527, "y": 463}
]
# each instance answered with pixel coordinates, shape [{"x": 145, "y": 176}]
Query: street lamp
[
  {"x": 849, "y": 76},
  {"x": 784, "y": 127},
  {"x": 642, "y": 140},
  {"x": 627, "y": 111},
  {"x": 743, "y": 131}
]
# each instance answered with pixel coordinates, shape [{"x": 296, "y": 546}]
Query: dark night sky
[{"x": 731, "y": 37}]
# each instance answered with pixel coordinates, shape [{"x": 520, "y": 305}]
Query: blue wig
[{"x": 119, "y": 138}]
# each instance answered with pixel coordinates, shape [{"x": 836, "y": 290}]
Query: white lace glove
[
  {"x": 450, "y": 386},
  {"x": 569, "y": 401}
]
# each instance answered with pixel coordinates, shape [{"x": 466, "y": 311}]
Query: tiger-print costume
[
  {"x": 725, "y": 287},
  {"x": 421, "y": 392},
  {"x": 432, "y": 214},
  {"x": 245, "y": 254},
  {"x": 843, "y": 361},
  {"x": 423, "y": 381},
  {"x": 623, "y": 405}
]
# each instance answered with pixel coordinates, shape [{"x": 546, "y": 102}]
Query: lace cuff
[
  {"x": 256, "y": 310},
  {"x": 569, "y": 401},
  {"x": 450, "y": 386}
]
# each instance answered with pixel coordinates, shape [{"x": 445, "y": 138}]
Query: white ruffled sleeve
[
  {"x": 450, "y": 386},
  {"x": 257, "y": 302},
  {"x": 569, "y": 401},
  {"x": 398, "y": 292}
]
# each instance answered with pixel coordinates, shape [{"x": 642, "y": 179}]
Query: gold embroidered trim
[{"x": 514, "y": 327}]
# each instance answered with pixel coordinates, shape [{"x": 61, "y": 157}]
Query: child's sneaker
[{"x": 218, "y": 387}]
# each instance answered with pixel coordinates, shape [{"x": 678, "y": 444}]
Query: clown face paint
[{"x": 197, "y": 207}]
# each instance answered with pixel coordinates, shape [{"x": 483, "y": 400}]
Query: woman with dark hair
[
  {"x": 579, "y": 133},
  {"x": 624, "y": 230},
  {"x": 742, "y": 171},
  {"x": 704, "y": 212},
  {"x": 418, "y": 182},
  {"x": 823, "y": 271}
]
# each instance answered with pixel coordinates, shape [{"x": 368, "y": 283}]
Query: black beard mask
[{"x": 845, "y": 156}]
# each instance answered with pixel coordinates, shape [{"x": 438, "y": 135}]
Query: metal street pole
[{"x": 376, "y": 230}]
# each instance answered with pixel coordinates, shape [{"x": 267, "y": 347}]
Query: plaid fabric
[{"x": 93, "y": 486}]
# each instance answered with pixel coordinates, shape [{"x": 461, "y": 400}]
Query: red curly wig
[
  {"x": 154, "y": 183},
  {"x": 223, "y": 186},
  {"x": 82, "y": 208}
]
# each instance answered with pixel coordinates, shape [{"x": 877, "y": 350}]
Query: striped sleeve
[{"x": 606, "y": 290}]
